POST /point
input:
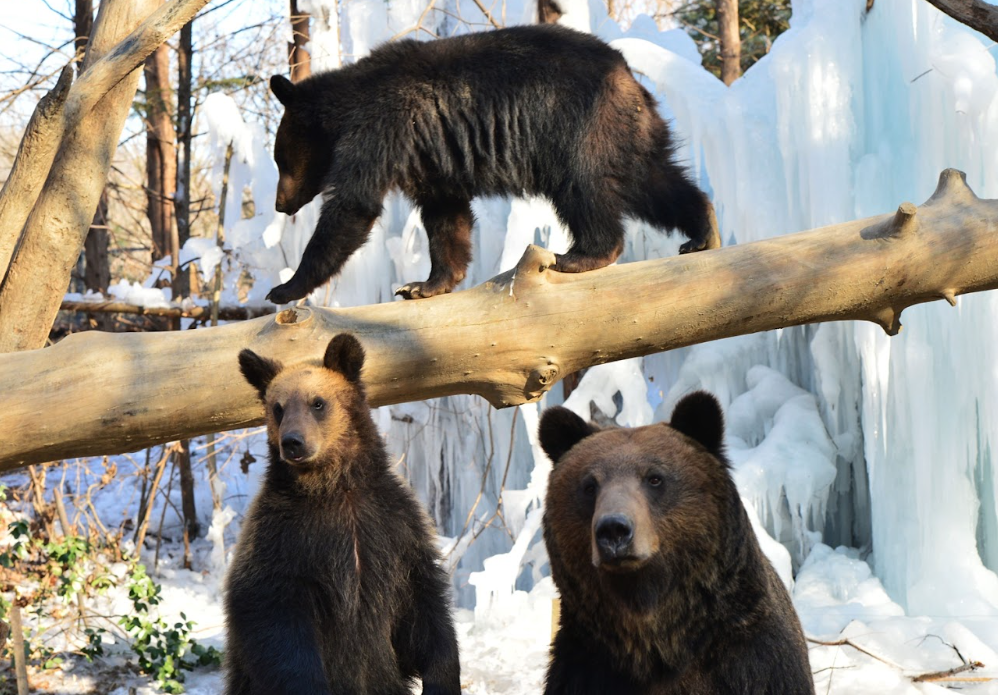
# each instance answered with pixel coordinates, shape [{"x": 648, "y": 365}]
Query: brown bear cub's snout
[{"x": 293, "y": 447}]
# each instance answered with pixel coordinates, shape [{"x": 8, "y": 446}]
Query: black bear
[
  {"x": 541, "y": 110},
  {"x": 664, "y": 588},
  {"x": 335, "y": 586}
]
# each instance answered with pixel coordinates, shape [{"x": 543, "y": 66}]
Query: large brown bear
[
  {"x": 335, "y": 586},
  {"x": 663, "y": 585},
  {"x": 539, "y": 110}
]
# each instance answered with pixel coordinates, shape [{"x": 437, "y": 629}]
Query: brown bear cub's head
[
  {"x": 636, "y": 510},
  {"x": 311, "y": 411},
  {"x": 301, "y": 150}
]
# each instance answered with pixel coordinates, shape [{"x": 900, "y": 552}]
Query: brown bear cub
[
  {"x": 335, "y": 586},
  {"x": 537, "y": 110},
  {"x": 664, "y": 588}
]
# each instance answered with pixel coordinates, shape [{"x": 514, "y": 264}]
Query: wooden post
[{"x": 20, "y": 667}]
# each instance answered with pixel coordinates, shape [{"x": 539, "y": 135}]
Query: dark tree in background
[
  {"x": 96, "y": 271},
  {"x": 760, "y": 22}
]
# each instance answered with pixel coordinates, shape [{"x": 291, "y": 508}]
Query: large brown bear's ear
[
  {"x": 259, "y": 371},
  {"x": 283, "y": 89},
  {"x": 345, "y": 355},
  {"x": 560, "y": 430},
  {"x": 699, "y": 417}
]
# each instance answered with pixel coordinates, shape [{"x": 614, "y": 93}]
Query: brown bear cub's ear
[
  {"x": 283, "y": 89},
  {"x": 699, "y": 416},
  {"x": 345, "y": 355},
  {"x": 560, "y": 430},
  {"x": 259, "y": 371}
]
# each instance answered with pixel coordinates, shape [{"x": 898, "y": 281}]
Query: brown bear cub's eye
[
  {"x": 589, "y": 489},
  {"x": 655, "y": 480},
  {"x": 278, "y": 412},
  {"x": 318, "y": 404}
]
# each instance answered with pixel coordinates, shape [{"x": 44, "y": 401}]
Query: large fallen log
[{"x": 509, "y": 339}]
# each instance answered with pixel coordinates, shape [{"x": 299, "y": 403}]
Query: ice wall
[{"x": 837, "y": 433}]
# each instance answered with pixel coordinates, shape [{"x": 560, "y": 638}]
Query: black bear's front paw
[{"x": 282, "y": 294}]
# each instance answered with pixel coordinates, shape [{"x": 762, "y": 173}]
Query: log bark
[
  {"x": 31, "y": 165},
  {"x": 731, "y": 40},
  {"x": 976, "y": 14},
  {"x": 509, "y": 339},
  {"x": 56, "y": 229}
]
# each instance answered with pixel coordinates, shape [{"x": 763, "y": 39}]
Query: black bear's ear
[
  {"x": 699, "y": 416},
  {"x": 259, "y": 371},
  {"x": 345, "y": 355},
  {"x": 283, "y": 89},
  {"x": 560, "y": 430}
]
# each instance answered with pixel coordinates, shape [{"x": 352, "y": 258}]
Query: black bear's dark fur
[
  {"x": 334, "y": 587},
  {"x": 539, "y": 110},
  {"x": 664, "y": 588}
]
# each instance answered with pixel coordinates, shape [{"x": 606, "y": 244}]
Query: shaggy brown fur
[
  {"x": 335, "y": 586},
  {"x": 664, "y": 587}
]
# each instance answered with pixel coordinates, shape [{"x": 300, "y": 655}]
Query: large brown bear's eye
[
  {"x": 318, "y": 404},
  {"x": 589, "y": 488},
  {"x": 654, "y": 480},
  {"x": 278, "y": 412}
]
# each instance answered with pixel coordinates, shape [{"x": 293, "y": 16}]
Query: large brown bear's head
[
  {"x": 302, "y": 149},
  {"x": 312, "y": 412},
  {"x": 628, "y": 505}
]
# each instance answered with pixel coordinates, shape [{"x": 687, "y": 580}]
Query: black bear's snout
[
  {"x": 614, "y": 533},
  {"x": 293, "y": 446}
]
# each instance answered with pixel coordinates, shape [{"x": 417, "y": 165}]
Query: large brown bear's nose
[
  {"x": 614, "y": 533},
  {"x": 292, "y": 446}
]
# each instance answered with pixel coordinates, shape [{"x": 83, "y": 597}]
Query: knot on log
[
  {"x": 534, "y": 263},
  {"x": 294, "y": 317},
  {"x": 952, "y": 188},
  {"x": 540, "y": 380}
]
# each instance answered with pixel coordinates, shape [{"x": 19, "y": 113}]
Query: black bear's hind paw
[{"x": 421, "y": 290}]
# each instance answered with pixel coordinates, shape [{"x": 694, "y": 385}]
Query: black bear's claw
[{"x": 410, "y": 291}]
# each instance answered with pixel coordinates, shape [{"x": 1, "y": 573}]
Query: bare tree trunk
[
  {"x": 96, "y": 267},
  {"x": 97, "y": 272},
  {"x": 182, "y": 278},
  {"x": 188, "y": 507},
  {"x": 298, "y": 56},
  {"x": 161, "y": 155},
  {"x": 80, "y": 128},
  {"x": 27, "y": 176},
  {"x": 731, "y": 41},
  {"x": 548, "y": 11},
  {"x": 185, "y": 121},
  {"x": 979, "y": 15},
  {"x": 56, "y": 230},
  {"x": 509, "y": 339}
]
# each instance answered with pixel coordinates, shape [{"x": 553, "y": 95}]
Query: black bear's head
[
  {"x": 302, "y": 150},
  {"x": 311, "y": 411},
  {"x": 624, "y": 502}
]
